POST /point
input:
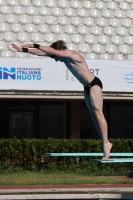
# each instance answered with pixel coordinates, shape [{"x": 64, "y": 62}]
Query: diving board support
[{"x": 112, "y": 160}]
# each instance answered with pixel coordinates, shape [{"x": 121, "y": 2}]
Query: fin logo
[
  {"x": 129, "y": 78},
  {"x": 5, "y": 73}
]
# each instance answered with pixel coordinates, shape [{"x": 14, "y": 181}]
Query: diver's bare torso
[{"x": 79, "y": 70}]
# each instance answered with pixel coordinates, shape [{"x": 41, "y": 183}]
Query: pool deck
[
  {"x": 87, "y": 191},
  {"x": 88, "y": 188}
]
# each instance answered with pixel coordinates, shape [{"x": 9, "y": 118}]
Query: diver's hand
[{"x": 19, "y": 49}]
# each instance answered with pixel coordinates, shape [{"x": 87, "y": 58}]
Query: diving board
[
  {"x": 112, "y": 160},
  {"x": 87, "y": 154}
]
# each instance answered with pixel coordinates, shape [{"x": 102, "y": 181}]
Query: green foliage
[{"x": 26, "y": 154}]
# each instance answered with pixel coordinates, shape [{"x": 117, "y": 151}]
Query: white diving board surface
[
  {"x": 112, "y": 160},
  {"x": 87, "y": 154}
]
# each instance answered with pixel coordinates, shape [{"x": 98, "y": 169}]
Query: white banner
[{"x": 47, "y": 75}]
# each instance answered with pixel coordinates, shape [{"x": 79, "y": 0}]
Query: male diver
[{"x": 79, "y": 68}]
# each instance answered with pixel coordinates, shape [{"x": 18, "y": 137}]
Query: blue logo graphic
[
  {"x": 129, "y": 78},
  {"x": 20, "y": 73},
  {"x": 5, "y": 73}
]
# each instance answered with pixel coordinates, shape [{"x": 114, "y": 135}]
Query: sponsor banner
[{"x": 47, "y": 75}]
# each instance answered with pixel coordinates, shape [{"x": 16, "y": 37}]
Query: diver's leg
[{"x": 94, "y": 103}]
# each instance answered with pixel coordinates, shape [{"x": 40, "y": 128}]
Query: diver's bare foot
[{"x": 106, "y": 150}]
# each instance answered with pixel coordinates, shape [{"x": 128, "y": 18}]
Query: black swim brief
[{"x": 95, "y": 81}]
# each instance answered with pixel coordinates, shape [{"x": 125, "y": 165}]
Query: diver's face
[
  {"x": 61, "y": 59},
  {"x": 57, "y": 58}
]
